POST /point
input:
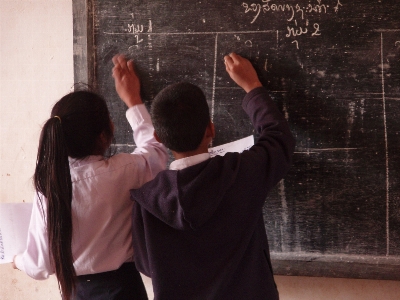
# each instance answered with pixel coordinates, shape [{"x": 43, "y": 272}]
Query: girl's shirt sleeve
[
  {"x": 34, "y": 261},
  {"x": 153, "y": 153}
]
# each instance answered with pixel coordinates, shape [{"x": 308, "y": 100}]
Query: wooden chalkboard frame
[
  {"x": 291, "y": 264},
  {"x": 83, "y": 48}
]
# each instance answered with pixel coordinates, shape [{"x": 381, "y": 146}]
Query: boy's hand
[
  {"x": 242, "y": 72},
  {"x": 127, "y": 83}
]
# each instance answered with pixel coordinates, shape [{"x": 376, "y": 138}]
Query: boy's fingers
[{"x": 228, "y": 62}]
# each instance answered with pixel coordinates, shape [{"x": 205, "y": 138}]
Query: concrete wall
[{"x": 36, "y": 69}]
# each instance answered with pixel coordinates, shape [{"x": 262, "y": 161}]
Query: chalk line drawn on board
[
  {"x": 386, "y": 152},
  {"x": 284, "y": 214}
]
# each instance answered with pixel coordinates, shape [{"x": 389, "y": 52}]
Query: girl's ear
[{"x": 103, "y": 142}]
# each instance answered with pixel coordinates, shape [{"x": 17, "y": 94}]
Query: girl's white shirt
[{"x": 101, "y": 205}]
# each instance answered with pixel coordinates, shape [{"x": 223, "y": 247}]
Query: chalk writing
[
  {"x": 296, "y": 31},
  {"x": 336, "y": 8},
  {"x": 139, "y": 28},
  {"x": 249, "y": 43},
  {"x": 135, "y": 28},
  {"x": 294, "y": 14},
  {"x": 316, "y": 31},
  {"x": 258, "y": 8}
]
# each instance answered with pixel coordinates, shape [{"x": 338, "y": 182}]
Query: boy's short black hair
[{"x": 180, "y": 116}]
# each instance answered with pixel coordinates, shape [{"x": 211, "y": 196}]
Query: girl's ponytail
[
  {"x": 79, "y": 119},
  {"x": 52, "y": 179}
]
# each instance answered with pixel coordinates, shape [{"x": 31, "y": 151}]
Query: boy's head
[{"x": 180, "y": 116}]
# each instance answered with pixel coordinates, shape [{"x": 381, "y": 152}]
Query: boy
[{"x": 198, "y": 228}]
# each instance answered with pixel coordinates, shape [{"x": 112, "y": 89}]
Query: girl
[{"x": 80, "y": 229}]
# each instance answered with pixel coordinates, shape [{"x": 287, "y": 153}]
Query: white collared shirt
[
  {"x": 101, "y": 205},
  {"x": 185, "y": 162}
]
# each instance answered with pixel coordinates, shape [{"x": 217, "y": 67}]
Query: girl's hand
[{"x": 127, "y": 82}]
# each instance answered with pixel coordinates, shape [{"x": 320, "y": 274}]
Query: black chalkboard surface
[{"x": 333, "y": 68}]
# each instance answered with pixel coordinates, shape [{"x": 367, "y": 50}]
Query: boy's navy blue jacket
[{"x": 199, "y": 232}]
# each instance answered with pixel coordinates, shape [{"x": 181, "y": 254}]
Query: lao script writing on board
[
  {"x": 302, "y": 18},
  {"x": 298, "y": 16}
]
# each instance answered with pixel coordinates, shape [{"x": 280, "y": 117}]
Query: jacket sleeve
[
  {"x": 275, "y": 146},
  {"x": 239, "y": 180},
  {"x": 35, "y": 261}
]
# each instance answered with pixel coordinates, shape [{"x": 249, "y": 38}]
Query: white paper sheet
[
  {"x": 14, "y": 224},
  {"x": 235, "y": 146}
]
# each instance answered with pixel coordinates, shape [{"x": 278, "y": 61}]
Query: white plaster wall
[{"x": 36, "y": 69}]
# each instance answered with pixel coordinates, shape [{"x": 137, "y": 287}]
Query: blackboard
[{"x": 333, "y": 68}]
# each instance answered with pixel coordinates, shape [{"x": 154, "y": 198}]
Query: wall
[{"x": 36, "y": 69}]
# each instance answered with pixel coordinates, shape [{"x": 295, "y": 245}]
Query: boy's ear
[
  {"x": 211, "y": 130},
  {"x": 156, "y": 137},
  {"x": 112, "y": 127}
]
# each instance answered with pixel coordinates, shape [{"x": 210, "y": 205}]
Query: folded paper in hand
[
  {"x": 14, "y": 224},
  {"x": 235, "y": 146}
]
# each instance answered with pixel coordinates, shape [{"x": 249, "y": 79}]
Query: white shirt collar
[{"x": 185, "y": 162}]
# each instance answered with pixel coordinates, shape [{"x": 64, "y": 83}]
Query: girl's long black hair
[{"x": 79, "y": 126}]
